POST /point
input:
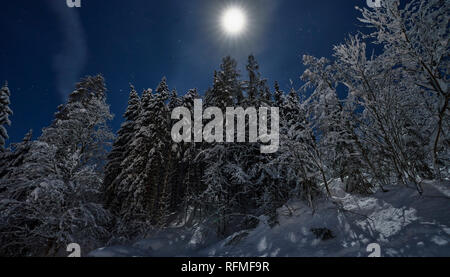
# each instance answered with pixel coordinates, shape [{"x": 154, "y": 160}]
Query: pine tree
[
  {"x": 253, "y": 163},
  {"x": 258, "y": 92},
  {"x": 16, "y": 157},
  {"x": 297, "y": 161},
  {"x": 186, "y": 179},
  {"x": 278, "y": 95},
  {"x": 266, "y": 95},
  {"x": 148, "y": 166},
  {"x": 174, "y": 100},
  {"x": 252, "y": 86},
  {"x": 161, "y": 157},
  {"x": 5, "y": 112},
  {"x": 227, "y": 89},
  {"x": 121, "y": 148},
  {"x": 234, "y": 177},
  {"x": 132, "y": 192},
  {"x": 80, "y": 126},
  {"x": 217, "y": 158},
  {"x": 56, "y": 189}
]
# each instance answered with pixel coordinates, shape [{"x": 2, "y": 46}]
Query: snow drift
[{"x": 401, "y": 221}]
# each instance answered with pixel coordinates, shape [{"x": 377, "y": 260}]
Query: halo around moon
[{"x": 234, "y": 20}]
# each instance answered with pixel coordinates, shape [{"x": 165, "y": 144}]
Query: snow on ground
[{"x": 401, "y": 221}]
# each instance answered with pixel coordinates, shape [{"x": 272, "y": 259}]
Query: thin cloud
[{"x": 71, "y": 59}]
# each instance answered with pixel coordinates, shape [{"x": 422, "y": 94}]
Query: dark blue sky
[{"x": 46, "y": 46}]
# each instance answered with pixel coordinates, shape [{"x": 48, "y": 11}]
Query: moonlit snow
[{"x": 400, "y": 221}]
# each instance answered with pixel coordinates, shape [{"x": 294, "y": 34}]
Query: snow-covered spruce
[
  {"x": 5, "y": 112},
  {"x": 51, "y": 196}
]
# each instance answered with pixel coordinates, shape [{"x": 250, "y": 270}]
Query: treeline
[
  {"x": 367, "y": 120},
  {"x": 148, "y": 177}
]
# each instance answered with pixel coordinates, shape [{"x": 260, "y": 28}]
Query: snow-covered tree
[
  {"x": 80, "y": 126},
  {"x": 257, "y": 91},
  {"x": 331, "y": 118},
  {"x": 296, "y": 163},
  {"x": 5, "y": 112},
  {"x": 174, "y": 100},
  {"x": 160, "y": 158},
  {"x": 416, "y": 38},
  {"x": 186, "y": 180},
  {"x": 148, "y": 166},
  {"x": 121, "y": 148},
  {"x": 52, "y": 198},
  {"x": 132, "y": 192},
  {"x": 15, "y": 158},
  {"x": 386, "y": 95},
  {"x": 386, "y": 122},
  {"x": 252, "y": 86},
  {"x": 227, "y": 194},
  {"x": 227, "y": 89}
]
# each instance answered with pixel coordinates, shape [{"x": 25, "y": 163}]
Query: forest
[{"x": 373, "y": 115}]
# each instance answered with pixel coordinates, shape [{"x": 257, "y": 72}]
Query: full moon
[{"x": 234, "y": 21}]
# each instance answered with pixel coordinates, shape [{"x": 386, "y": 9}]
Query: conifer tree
[
  {"x": 56, "y": 189},
  {"x": 258, "y": 92},
  {"x": 16, "y": 157},
  {"x": 5, "y": 112},
  {"x": 131, "y": 194},
  {"x": 149, "y": 164},
  {"x": 278, "y": 95},
  {"x": 121, "y": 147},
  {"x": 252, "y": 86},
  {"x": 227, "y": 89},
  {"x": 186, "y": 180},
  {"x": 161, "y": 157}
]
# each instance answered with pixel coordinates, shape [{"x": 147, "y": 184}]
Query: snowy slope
[{"x": 400, "y": 221}]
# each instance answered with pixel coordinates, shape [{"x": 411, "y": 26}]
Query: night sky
[{"x": 46, "y": 47}]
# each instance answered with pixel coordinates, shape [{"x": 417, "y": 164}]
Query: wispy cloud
[{"x": 71, "y": 59}]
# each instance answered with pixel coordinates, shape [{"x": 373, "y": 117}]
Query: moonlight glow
[{"x": 234, "y": 21}]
